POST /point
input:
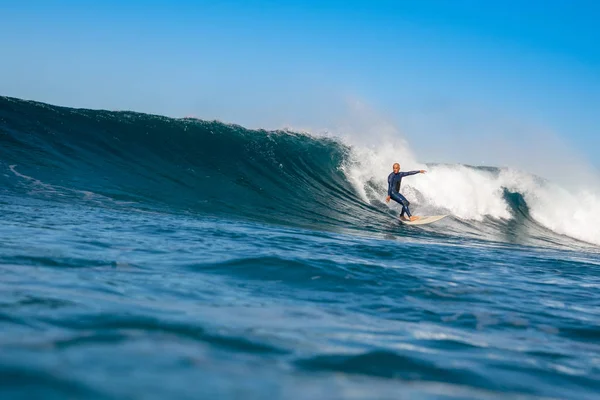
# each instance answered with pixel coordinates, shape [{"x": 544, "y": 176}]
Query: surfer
[{"x": 394, "y": 181}]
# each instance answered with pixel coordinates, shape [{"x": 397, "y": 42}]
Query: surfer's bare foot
[
  {"x": 414, "y": 218},
  {"x": 403, "y": 218}
]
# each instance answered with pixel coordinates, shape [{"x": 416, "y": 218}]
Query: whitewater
[
  {"x": 148, "y": 257},
  {"x": 474, "y": 194}
]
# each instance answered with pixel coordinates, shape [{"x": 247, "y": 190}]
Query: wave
[{"x": 281, "y": 177}]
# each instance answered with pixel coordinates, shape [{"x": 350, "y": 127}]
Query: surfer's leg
[
  {"x": 405, "y": 208},
  {"x": 397, "y": 197}
]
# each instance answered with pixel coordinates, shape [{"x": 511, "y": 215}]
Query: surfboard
[{"x": 424, "y": 220}]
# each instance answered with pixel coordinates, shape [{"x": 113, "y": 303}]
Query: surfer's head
[{"x": 396, "y": 168}]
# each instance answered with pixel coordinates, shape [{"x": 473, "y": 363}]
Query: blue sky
[{"x": 462, "y": 80}]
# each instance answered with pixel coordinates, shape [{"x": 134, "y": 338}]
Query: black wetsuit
[{"x": 394, "y": 182}]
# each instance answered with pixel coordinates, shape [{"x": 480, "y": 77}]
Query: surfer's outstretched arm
[{"x": 422, "y": 171}]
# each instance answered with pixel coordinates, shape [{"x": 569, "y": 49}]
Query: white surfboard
[{"x": 424, "y": 220}]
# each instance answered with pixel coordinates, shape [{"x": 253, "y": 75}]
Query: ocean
[{"x": 151, "y": 257}]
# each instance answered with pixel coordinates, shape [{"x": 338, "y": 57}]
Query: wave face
[{"x": 280, "y": 177}]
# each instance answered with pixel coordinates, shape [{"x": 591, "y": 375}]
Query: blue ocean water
[{"x": 149, "y": 257}]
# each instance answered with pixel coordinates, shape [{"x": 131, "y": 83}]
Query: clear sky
[{"x": 464, "y": 81}]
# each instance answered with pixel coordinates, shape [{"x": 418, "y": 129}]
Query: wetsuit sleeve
[
  {"x": 389, "y": 184},
  {"x": 410, "y": 173}
]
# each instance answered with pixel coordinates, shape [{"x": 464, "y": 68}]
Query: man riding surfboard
[{"x": 394, "y": 181}]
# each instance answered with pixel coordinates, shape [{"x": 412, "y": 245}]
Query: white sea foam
[{"x": 474, "y": 193}]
